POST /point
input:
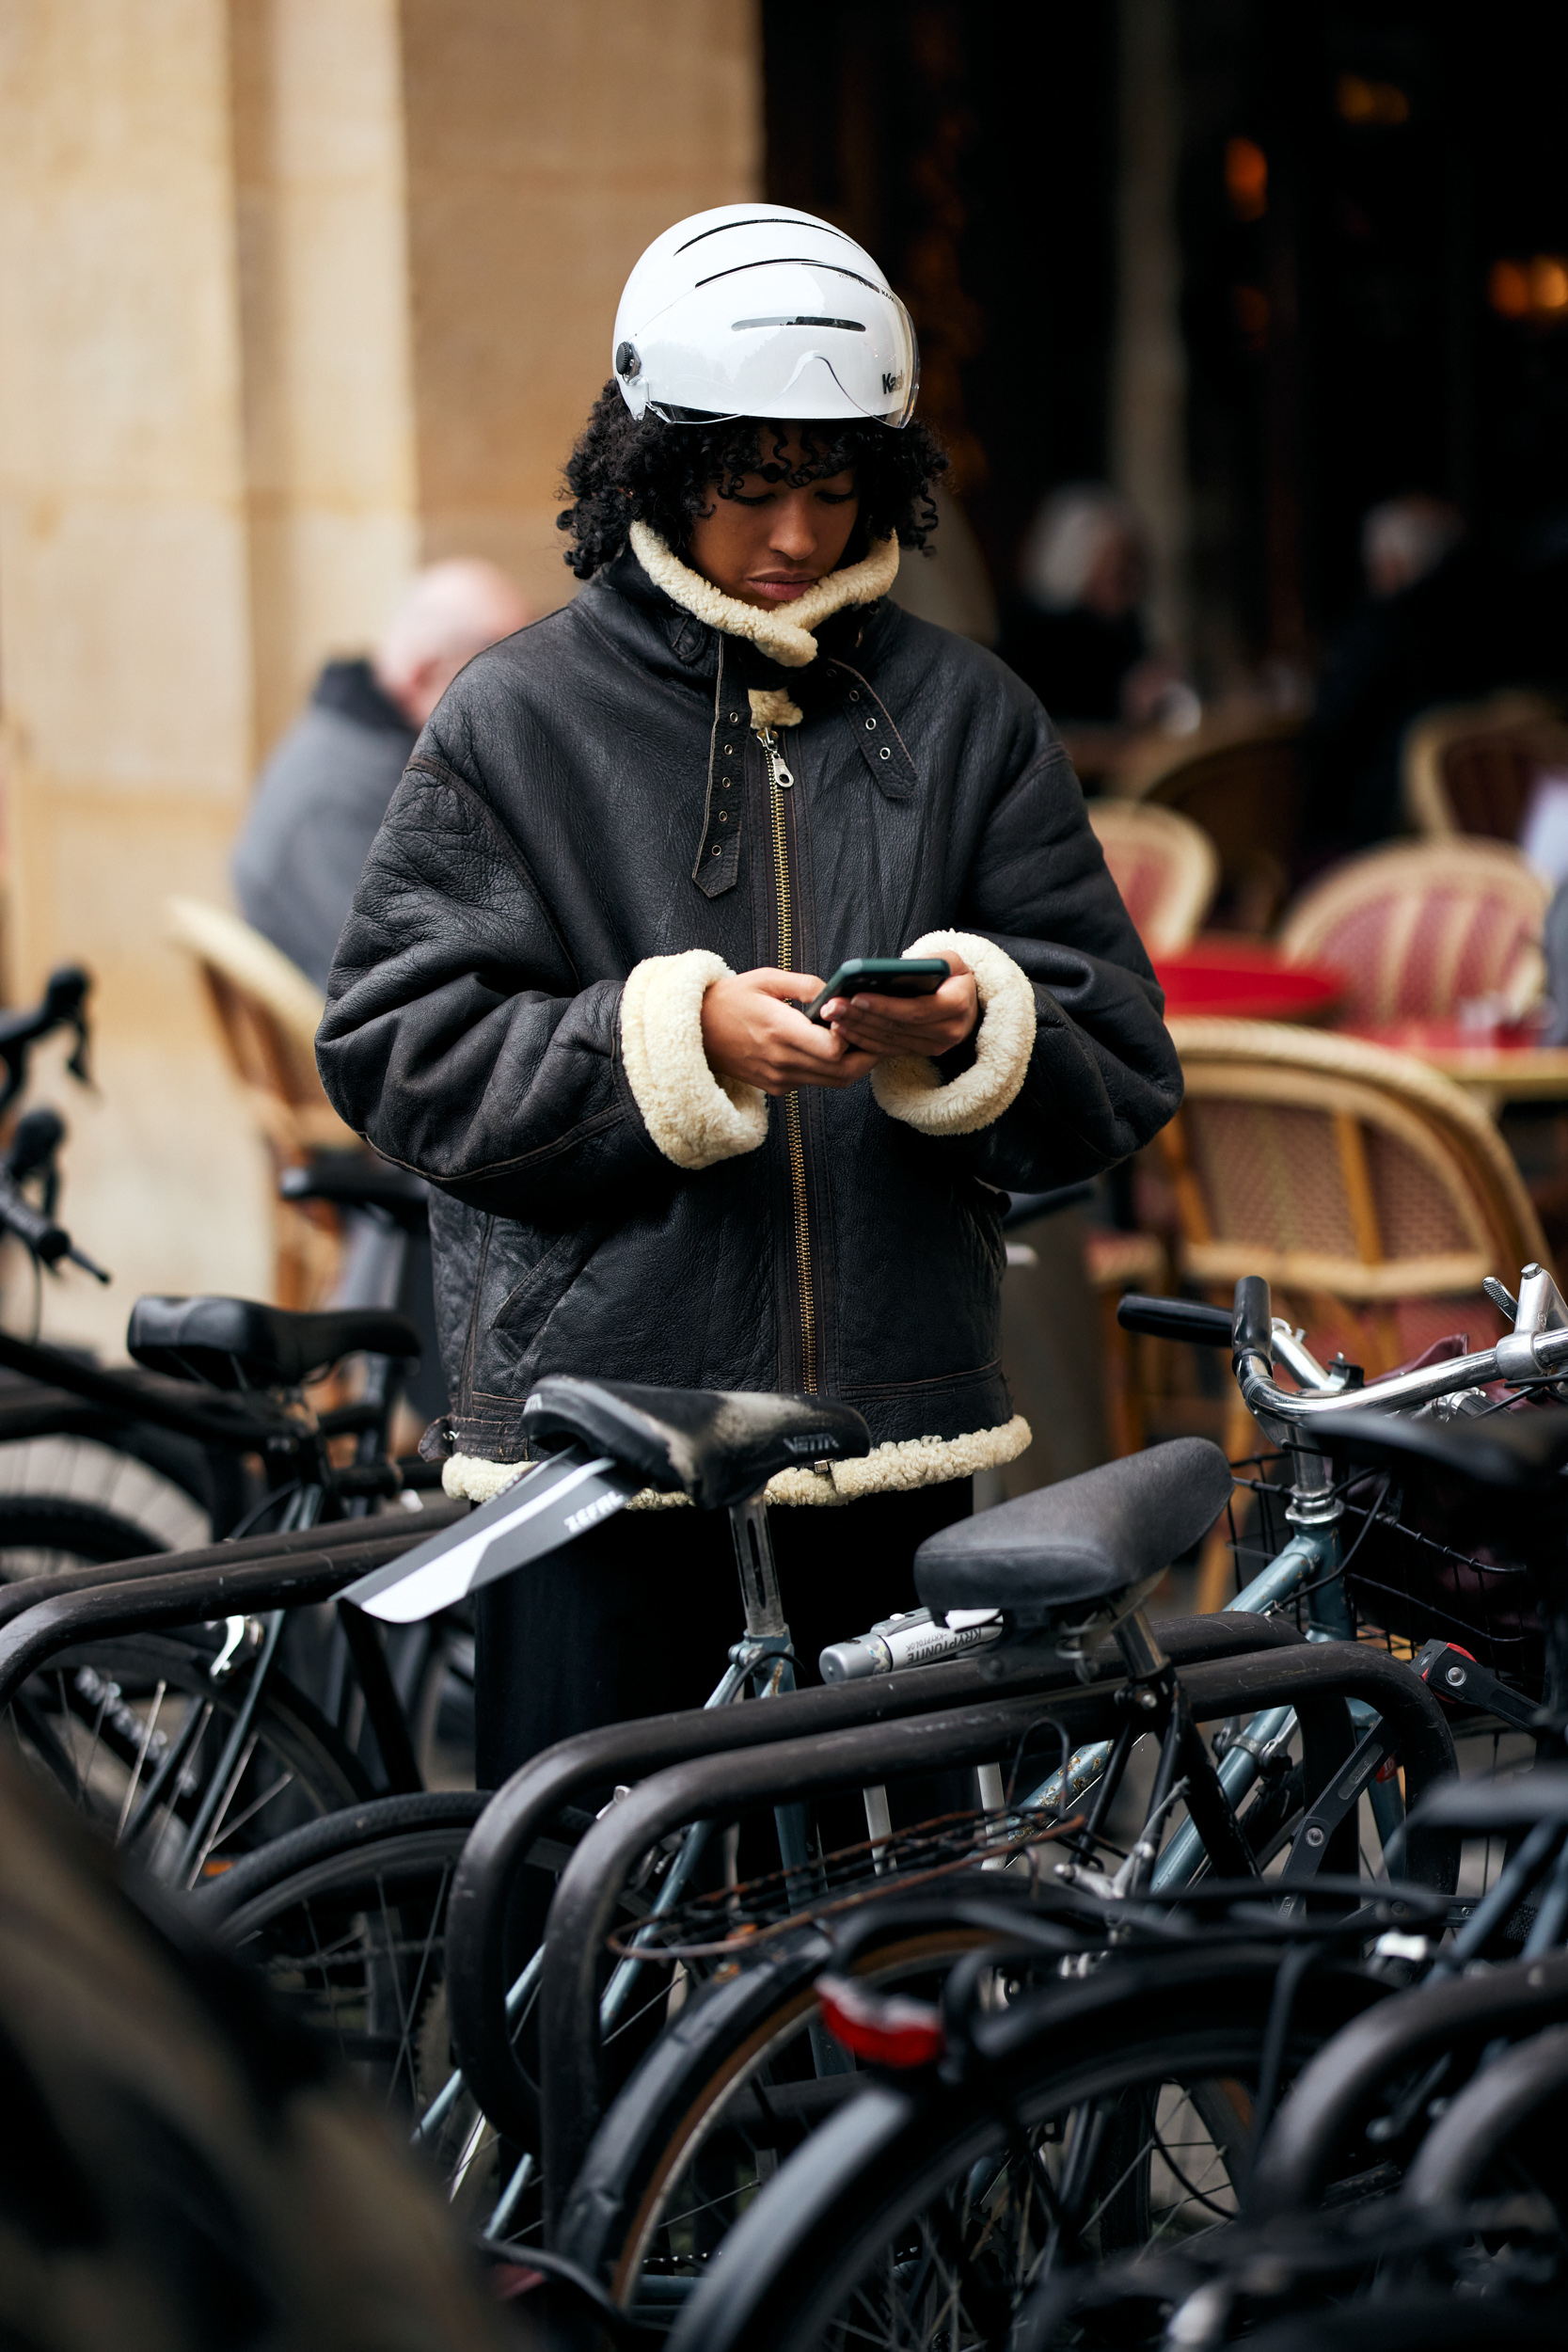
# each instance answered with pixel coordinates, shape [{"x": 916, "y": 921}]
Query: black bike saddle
[
  {"x": 1504, "y": 1452},
  {"x": 718, "y": 1446},
  {"x": 239, "y": 1344},
  {"x": 1084, "y": 1541}
]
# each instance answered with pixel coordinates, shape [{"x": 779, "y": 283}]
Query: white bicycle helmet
[{"x": 755, "y": 311}]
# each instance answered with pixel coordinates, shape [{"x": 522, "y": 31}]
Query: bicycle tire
[
  {"x": 692, "y": 2084},
  {"x": 103, "y": 1718},
  {"x": 911, "y": 2162},
  {"x": 345, "y": 1918},
  {"x": 49, "y": 1532}
]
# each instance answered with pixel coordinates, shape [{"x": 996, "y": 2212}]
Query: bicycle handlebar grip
[
  {"x": 1252, "y": 1319},
  {"x": 1174, "y": 1319},
  {"x": 40, "y": 1234}
]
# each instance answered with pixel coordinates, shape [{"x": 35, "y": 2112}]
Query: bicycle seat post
[{"x": 759, "y": 1581}]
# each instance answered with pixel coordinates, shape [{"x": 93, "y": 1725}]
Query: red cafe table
[{"x": 1247, "y": 979}]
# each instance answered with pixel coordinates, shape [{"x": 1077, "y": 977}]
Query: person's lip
[{"x": 782, "y": 587}]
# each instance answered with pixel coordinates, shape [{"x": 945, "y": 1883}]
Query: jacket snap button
[
  {"x": 724, "y": 783},
  {"x": 723, "y": 816},
  {"x": 884, "y": 752},
  {"x": 735, "y": 718},
  {"x": 729, "y": 751},
  {"x": 717, "y": 852},
  {"x": 870, "y": 726},
  {"x": 855, "y": 695}
]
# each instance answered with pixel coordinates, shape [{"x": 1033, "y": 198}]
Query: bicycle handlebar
[
  {"x": 47, "y": 1241},
  {"x": 63, "y": 1005},
  {"x": 1174, "y": 1319},
  {"x": 1518, "y": 1360},
  {"x": 1248, "y": 1331}
]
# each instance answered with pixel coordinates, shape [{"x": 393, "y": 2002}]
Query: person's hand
[
  {"x": 878, "y": 1026},
  {"x": 753, "y": 1029}
]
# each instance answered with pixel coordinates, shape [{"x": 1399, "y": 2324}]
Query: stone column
[
  {"x": 125, "y": 641},
  {"x": 548, "y": 145},
  {"x": 294, "y": 294}
]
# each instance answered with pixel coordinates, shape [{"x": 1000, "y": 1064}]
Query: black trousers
[{"x": 637, "y": 1616}]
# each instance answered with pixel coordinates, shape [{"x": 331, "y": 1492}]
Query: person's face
[
  {"x": 767, "y": 543},
  {"x": 1116, "y": 582}
]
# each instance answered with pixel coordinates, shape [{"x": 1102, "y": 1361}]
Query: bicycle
[{"x": 878, "y": 2226}]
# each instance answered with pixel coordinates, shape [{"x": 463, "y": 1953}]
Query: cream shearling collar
[{"x": 784, "y": 635}]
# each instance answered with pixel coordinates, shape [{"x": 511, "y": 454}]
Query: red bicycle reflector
[{"x": 885, "y": 2030}]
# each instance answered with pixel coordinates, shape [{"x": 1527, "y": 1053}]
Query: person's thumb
[{"x": 793, "y": 986}]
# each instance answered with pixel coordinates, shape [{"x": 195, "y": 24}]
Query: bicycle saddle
[
  {"x": 355, "y": 1179},
  {"x": 239, "y": 1344},
  {"x": 718, "y": 1446},
  {"x": 1501, "y": 1452},
  {"x": 1083, "y": 1541}
]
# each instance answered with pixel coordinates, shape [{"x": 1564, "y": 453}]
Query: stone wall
[{"x": 293, "y": 293}]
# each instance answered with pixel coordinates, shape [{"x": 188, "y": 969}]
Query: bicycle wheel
[
  {"x": 346, "y": 1919},
  {"x": 42, "y": 1534},
  {"x": 135, "y": 1730},
  {"x": 1103, "y": 2117},
  {"x": 730, "y": 2087}
]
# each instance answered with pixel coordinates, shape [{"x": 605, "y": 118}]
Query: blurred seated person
[
  {"x": 1429, "y": 630},
  {"x": 324, "y": 792},
  {"x": 1075, "y": 631}
]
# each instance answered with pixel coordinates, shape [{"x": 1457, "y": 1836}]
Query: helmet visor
[{"x": 781, "y": 343}]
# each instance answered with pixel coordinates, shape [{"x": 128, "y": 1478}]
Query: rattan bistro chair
[
  {"x": 1365, "y": 1188},
  {"x": 267, "y": 1014},
  {"x": 1420, "y": 926},
  {"x": 1246, "y": 796},
  {"x": 1470, "y": 768},
  {"x": 1165, "y": 868}
]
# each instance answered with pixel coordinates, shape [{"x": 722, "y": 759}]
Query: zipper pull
[{"x": 776, "y": 767}]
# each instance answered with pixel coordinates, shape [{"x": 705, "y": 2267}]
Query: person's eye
[
  {"x": 760, "y": 498},
  {"x": 835, "y": 498}
]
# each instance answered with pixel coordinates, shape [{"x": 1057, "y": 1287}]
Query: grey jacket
[
  {"x": 317, "y": 808},
  {"x": 589, "y": 832}
]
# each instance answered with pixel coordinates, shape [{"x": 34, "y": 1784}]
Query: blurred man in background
[
  {"x": 1075, "y": 631},
  {"x": 1430, "y": 630},
  {"x": 324, "y": 792}
]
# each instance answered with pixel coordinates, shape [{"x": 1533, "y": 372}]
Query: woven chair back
[
  {"x": 1365, "y": 1187},
  {"x": 1165, "y": 868},
  {"x": 1472, "y": 768},
  {"x": 1247, "y": 798},
  {"x": 1420, "y": 927},
  {"x": 267, "y": 1014}
]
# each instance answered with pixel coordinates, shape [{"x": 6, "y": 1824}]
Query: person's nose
[{"x": 794, "y": 532}]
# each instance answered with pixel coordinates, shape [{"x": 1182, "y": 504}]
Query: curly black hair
[{"x": 627, "y": 469}]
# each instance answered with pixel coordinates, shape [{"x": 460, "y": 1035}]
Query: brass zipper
[{"x": 781, "y": 782}]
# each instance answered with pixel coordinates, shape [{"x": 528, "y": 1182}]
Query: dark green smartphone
[{"x": 880, "y": 976}]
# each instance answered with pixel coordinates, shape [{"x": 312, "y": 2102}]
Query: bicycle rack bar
[
  {"x": 17, "y": 1599},
  {"x": 286, "y": 1578},
  {"x": 478, "y": 1973},
  {"x": 1316, "y": 1679}
]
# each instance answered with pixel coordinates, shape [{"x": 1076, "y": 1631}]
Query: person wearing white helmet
[{"x": 630, "y": 844}]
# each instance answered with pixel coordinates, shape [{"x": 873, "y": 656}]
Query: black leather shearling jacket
[{"x": 590, "y": 796}]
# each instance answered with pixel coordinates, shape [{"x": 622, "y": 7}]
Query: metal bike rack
[
  {"x": 1315, "y": 1679},
  {"x": 172, "y": 1588},
  {"x": 597, "y": 1761}
]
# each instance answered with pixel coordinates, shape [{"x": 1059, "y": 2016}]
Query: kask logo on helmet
[{"x": 893, "y": 383}]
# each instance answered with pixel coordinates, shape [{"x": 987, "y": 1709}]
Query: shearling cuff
[
  {"x": 912, "y": 1088},
  {"x": 695, "y": 1118}
]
